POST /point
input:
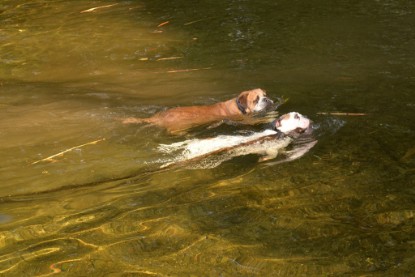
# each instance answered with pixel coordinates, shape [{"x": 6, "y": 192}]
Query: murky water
[{"x": 69, "y": 72}]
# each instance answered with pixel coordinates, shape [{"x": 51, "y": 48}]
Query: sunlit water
[{"x": 69, "y": 73}]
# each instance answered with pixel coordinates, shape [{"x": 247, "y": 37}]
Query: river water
[{"x": 70, "y": 70}]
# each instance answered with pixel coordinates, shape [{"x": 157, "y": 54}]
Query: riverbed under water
[{"x": 70, "y": 70}]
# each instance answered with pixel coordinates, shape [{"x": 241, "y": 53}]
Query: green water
[{"x": 105, "y": 209}]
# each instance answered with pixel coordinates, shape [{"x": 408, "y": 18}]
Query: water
[{"x": 67, "y": 77}]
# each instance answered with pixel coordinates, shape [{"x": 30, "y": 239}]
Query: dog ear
[{"x": 242, "y": 102}]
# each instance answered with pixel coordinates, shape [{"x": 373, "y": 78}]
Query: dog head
[
  {"x": 292, "y": 124},
  {"x": 255, "y": 100}
]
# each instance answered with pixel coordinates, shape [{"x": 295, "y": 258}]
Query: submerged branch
[
  {"x": 169, "y": 58},
  {"x": 50, "y": 158},
  {"x": 163, "y": 23},
  {"x": 188, "y": 70},
  {"x": 341, "y": 113},
  {"x": 97, "y": 8},
  {"x": 195, "y": 21}
]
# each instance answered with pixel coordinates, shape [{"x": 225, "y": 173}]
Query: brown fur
[{"x": 181, "y": 118}]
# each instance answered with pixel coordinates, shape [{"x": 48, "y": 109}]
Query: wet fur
[
  {"x": 268, "y": 145},
  {"x": 179, "y": 119}
]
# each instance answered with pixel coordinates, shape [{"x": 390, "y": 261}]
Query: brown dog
[{"x": 182, "y": 118}]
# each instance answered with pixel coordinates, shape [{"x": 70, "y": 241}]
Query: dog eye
[
  {"x": 256, "y": 100},
  {"x": 296, "y": 116}
]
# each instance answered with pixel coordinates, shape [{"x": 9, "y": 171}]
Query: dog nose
[{"x": 268, "y": 100}]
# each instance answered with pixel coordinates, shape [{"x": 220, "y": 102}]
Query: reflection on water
[{"x": 69, "y": 72}]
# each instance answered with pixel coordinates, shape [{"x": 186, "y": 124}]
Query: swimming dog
[
  {"x": 178, "y": 119},
  {"x": 267, "y": 144}
]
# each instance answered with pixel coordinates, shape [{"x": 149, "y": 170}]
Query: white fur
[
  {"x": 198, "y": 147},
  {"x": 291, "y": 123}
]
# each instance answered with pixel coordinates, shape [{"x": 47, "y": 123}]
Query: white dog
[{"x": 209, "y": 153}]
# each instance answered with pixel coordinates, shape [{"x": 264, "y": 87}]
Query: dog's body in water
[
  {"x": 177, "y": 120},
  {"x": 268, "y": 144}
]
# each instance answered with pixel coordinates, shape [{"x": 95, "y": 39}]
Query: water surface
[{"x": 69, "y": 73}]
